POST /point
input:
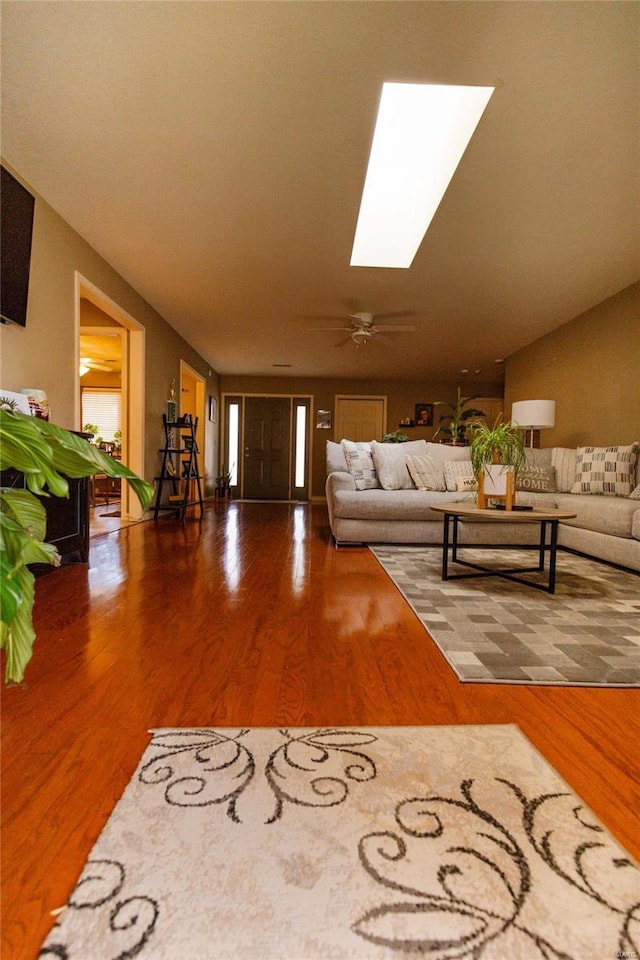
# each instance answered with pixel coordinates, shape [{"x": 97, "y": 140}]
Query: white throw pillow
[
  {"x": 455, "y": 470},
  {"x": 425, "y": 473},
  {"x": 360, "y": 464},
  {"x": 390, "y": 463},
  {"x": 335, "y": 459},
  {"x": 607, "y": 471},
  {"x": 442, "y": 453},
  {"x": 635, "y": 494}
]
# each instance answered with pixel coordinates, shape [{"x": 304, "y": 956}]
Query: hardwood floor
[{"x": 252, "y": 618}]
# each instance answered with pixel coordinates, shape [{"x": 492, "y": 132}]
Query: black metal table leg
[
  {"x": 553, "y": 549},
  {"x": 445, "y": 547}
]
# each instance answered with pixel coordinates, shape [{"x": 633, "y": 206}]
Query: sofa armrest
[{"x": 338, "y": 480}]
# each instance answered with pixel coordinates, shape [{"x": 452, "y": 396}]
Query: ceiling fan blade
[
  {"x": 393, "y": 327},
  {"x": 395, "y": 313},
  {"x": 331, "y": 329}
]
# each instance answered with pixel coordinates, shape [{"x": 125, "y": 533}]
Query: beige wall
[
  {"x": 402, "y": 396},
  {"x": 42, "y": 354},
  {"x": 591, "y": 368}
]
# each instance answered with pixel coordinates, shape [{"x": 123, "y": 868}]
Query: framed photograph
[
  {"x": 323, "y": 419},
  {"x": 213, "y": 410},
  {"x": 424, "y": 415}
]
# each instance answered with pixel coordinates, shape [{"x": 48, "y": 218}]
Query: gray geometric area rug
[
  {"x": 332, "y": 844},
  {"x": 494, "y": 630}
]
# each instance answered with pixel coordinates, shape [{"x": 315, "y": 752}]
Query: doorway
[
  {"x": 119, "y": 344},
  {"x": 266, "y": 446},
  {"x": 192, "y": 394}
]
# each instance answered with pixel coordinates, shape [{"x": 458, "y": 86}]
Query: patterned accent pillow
[
  {"x": 536, "y": 479},
  {"x": 360, "y": 464},
  {"x": 425, "y": 473},
  {"x": 455, "y": 470},
  {"x": 635, "y": 494},
  {"x": 564, "y": 460},
  {"x": 608, "y": 471}
]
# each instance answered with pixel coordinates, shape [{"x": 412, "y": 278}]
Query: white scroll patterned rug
[{"x": 313, "y": 844}]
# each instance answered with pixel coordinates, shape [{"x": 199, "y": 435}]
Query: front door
[{"x": 267, "y": 443}]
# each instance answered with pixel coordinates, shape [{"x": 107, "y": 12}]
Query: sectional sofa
[{"x": 373, "y": 496}]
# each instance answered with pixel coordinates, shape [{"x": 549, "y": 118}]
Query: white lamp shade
[{"x": 534, "y": 414}]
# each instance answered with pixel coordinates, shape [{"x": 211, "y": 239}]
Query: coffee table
[{"x": 548, "y": 519}]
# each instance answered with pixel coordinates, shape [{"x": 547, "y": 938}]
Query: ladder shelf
[{"x": 179, "y": 469}]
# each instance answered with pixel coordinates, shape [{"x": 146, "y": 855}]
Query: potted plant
[
  {"x": 396, "y": 436},
  {"x": 455, "y": 424},
  {"x": 46, "y": 455},
  {"x": 497, "y": 453},
  {"x": 223, "y": 484}
]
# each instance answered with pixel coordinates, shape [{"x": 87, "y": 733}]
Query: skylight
[{"x": 421, "y": 133}]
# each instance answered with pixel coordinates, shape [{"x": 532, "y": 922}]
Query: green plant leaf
[
  {"x": 10, "y": 594},
  {"x": 25, "y": 509},
  {"x": 17, "y": 637}
]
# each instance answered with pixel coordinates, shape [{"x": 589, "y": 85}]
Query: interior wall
[
  {"x": 43, "y": 353},
  {"x": 591, "y": 368},
  {"x": 402, "y": 397}
]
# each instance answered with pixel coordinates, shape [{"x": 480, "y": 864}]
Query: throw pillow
[
  {"x": 389, "y": 461},
  {"x": 466, "y": 483},
  {"x": 425, "y": 473},
  {"x": 360, "y": 464},
  {"x": 608, "y": 471},
  {"x": 537, "y": 479},
  {"x": 455, "y": 470},
  {"x": 635, "y": 494},
  {"x": 564, "y": 460},
  {"x": 335, "y": 458}
]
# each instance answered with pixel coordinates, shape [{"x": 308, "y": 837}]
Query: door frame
[
  {"x": 306, "y": 398},
  {"x": 201, "y": 390},
  {"x": 133, "y": 383}
]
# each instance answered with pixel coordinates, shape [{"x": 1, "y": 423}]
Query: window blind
[{"x": 102, "y": 406}]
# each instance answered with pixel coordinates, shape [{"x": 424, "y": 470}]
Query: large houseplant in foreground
[{"x": 46, "y": 455}]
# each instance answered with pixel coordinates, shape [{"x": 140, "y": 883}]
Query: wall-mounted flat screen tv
[{"x": 16, "y": 228}]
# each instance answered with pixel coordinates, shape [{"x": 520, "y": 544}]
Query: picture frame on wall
[
  {"x": 213, "y": 410},
  {"x": 424, "y": 415},
  {"x": 323, "y": 419}
]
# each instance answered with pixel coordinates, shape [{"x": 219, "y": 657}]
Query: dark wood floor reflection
[{"x": 251, "y": 618}]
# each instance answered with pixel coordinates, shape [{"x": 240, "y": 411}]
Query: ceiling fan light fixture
[
  {"x": 421, "y": 133},
  {"x": 360, "y": 337}
]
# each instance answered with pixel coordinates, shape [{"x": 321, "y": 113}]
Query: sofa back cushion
[
  {"x": 390, "y": 462},
  {"x": 360, "y": 464},
  {"x": 607, "y": 471}
]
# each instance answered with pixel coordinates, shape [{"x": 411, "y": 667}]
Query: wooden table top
[{"x": 502, "y": 516}]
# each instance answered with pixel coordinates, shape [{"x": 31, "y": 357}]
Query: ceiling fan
[
  {"x": 363, "y": 327},
  {"x": 88, "y": 363}
]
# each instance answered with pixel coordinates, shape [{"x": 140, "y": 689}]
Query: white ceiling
[{"x": 214, "y": 153}]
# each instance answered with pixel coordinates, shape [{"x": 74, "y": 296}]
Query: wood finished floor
[{"x": 251, "y": 619}]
